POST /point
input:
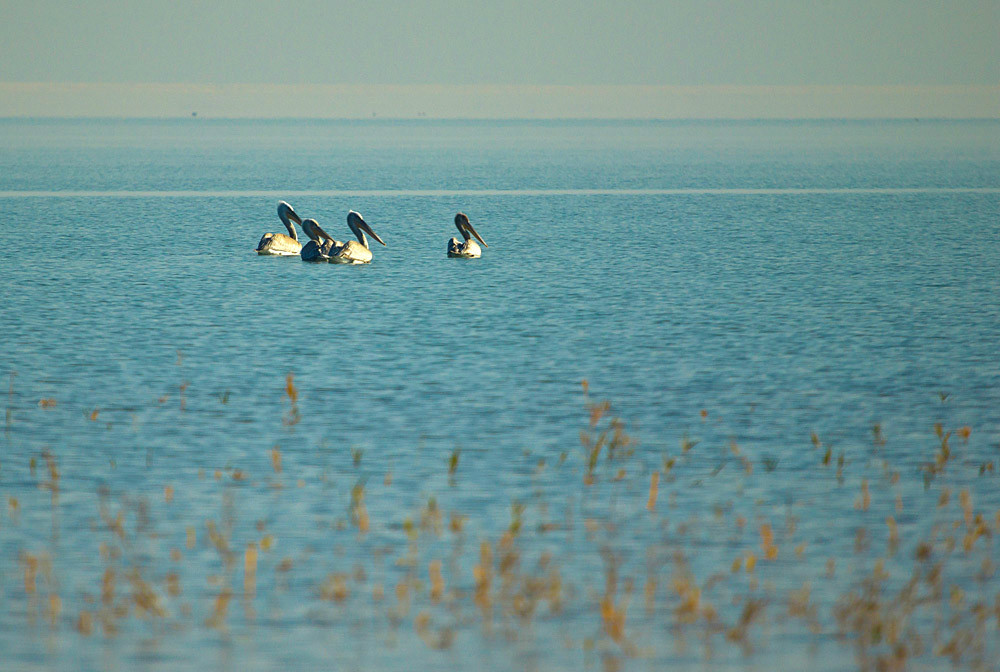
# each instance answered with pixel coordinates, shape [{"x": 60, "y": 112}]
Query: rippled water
[{"x": 737, "y": 285}]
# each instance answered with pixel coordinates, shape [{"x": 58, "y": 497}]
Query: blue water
[{"x": 739, "y": 284}]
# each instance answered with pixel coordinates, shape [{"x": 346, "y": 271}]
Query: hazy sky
[{"x": 542, "y": 42}]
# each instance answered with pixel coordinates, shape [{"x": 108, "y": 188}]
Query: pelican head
[
  {"x": 359, "y": 226},
  {"x": 287, "y": 215},
  {"x": 314, "y": 231},
  {"x": 465, "y": 228}
]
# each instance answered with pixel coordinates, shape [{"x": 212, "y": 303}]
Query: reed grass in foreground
[{"x": 606, "y": 551}]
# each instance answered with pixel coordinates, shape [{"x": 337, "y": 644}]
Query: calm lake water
[{"x": 778, "y": 312}]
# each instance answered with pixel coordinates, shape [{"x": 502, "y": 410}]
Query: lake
[{"x": 211, "y": 457}]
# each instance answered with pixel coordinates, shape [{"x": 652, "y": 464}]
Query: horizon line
[
  {"x": 420, "y": 118},
  {"x": 497, "y": 101}
]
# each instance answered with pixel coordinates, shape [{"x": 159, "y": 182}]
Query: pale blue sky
[{"x": 555, "y": 42}]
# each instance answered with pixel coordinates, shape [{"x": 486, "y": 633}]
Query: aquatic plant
[{"x": 614, "y": 561}]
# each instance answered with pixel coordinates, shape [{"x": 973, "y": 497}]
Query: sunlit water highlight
[
  {"x": 409, "y": 193},
  {"x": 788, "y": 279}
]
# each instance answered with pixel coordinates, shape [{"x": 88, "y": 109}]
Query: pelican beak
[
  {"x": 294, "y": 217},
  {"x": 473, "y": 232},
  {"x": 367, "y": 229}
]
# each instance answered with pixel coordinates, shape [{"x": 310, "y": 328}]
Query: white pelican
[
  {"x": 278, "y": 243},
  {"x": 321, "y": 244},
  {"x": 468, "y": 249},
  {"x": 335, "y": 252}
]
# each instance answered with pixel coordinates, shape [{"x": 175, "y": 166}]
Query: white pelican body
[
  {"x": 468, "y": 249},
  {"x": 278, "y": 244},
  {"x": 323, "y": 247}
]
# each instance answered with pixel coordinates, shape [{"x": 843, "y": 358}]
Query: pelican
[
  {"x": 321, "y": 244},
  {"x": 468, "y": 249},
  {"x": 278, "y": 243},
  {"x": 335, "y": 252}
]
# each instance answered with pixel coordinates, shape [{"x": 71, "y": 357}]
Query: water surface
[{"x": 735, "y": 287}]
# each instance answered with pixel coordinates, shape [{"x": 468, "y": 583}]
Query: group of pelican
[{"x": 323, "y": 248}]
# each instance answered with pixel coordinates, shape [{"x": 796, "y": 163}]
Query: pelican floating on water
[
  {"x": 279, "y": 244},
  {"x": 320, "y": 244},
  {"x": 467, "y": 249},
  {"x": 323, "y": 247}
]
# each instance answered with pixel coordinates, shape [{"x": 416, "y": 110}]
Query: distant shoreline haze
[{"x": 236, "y": 101}]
